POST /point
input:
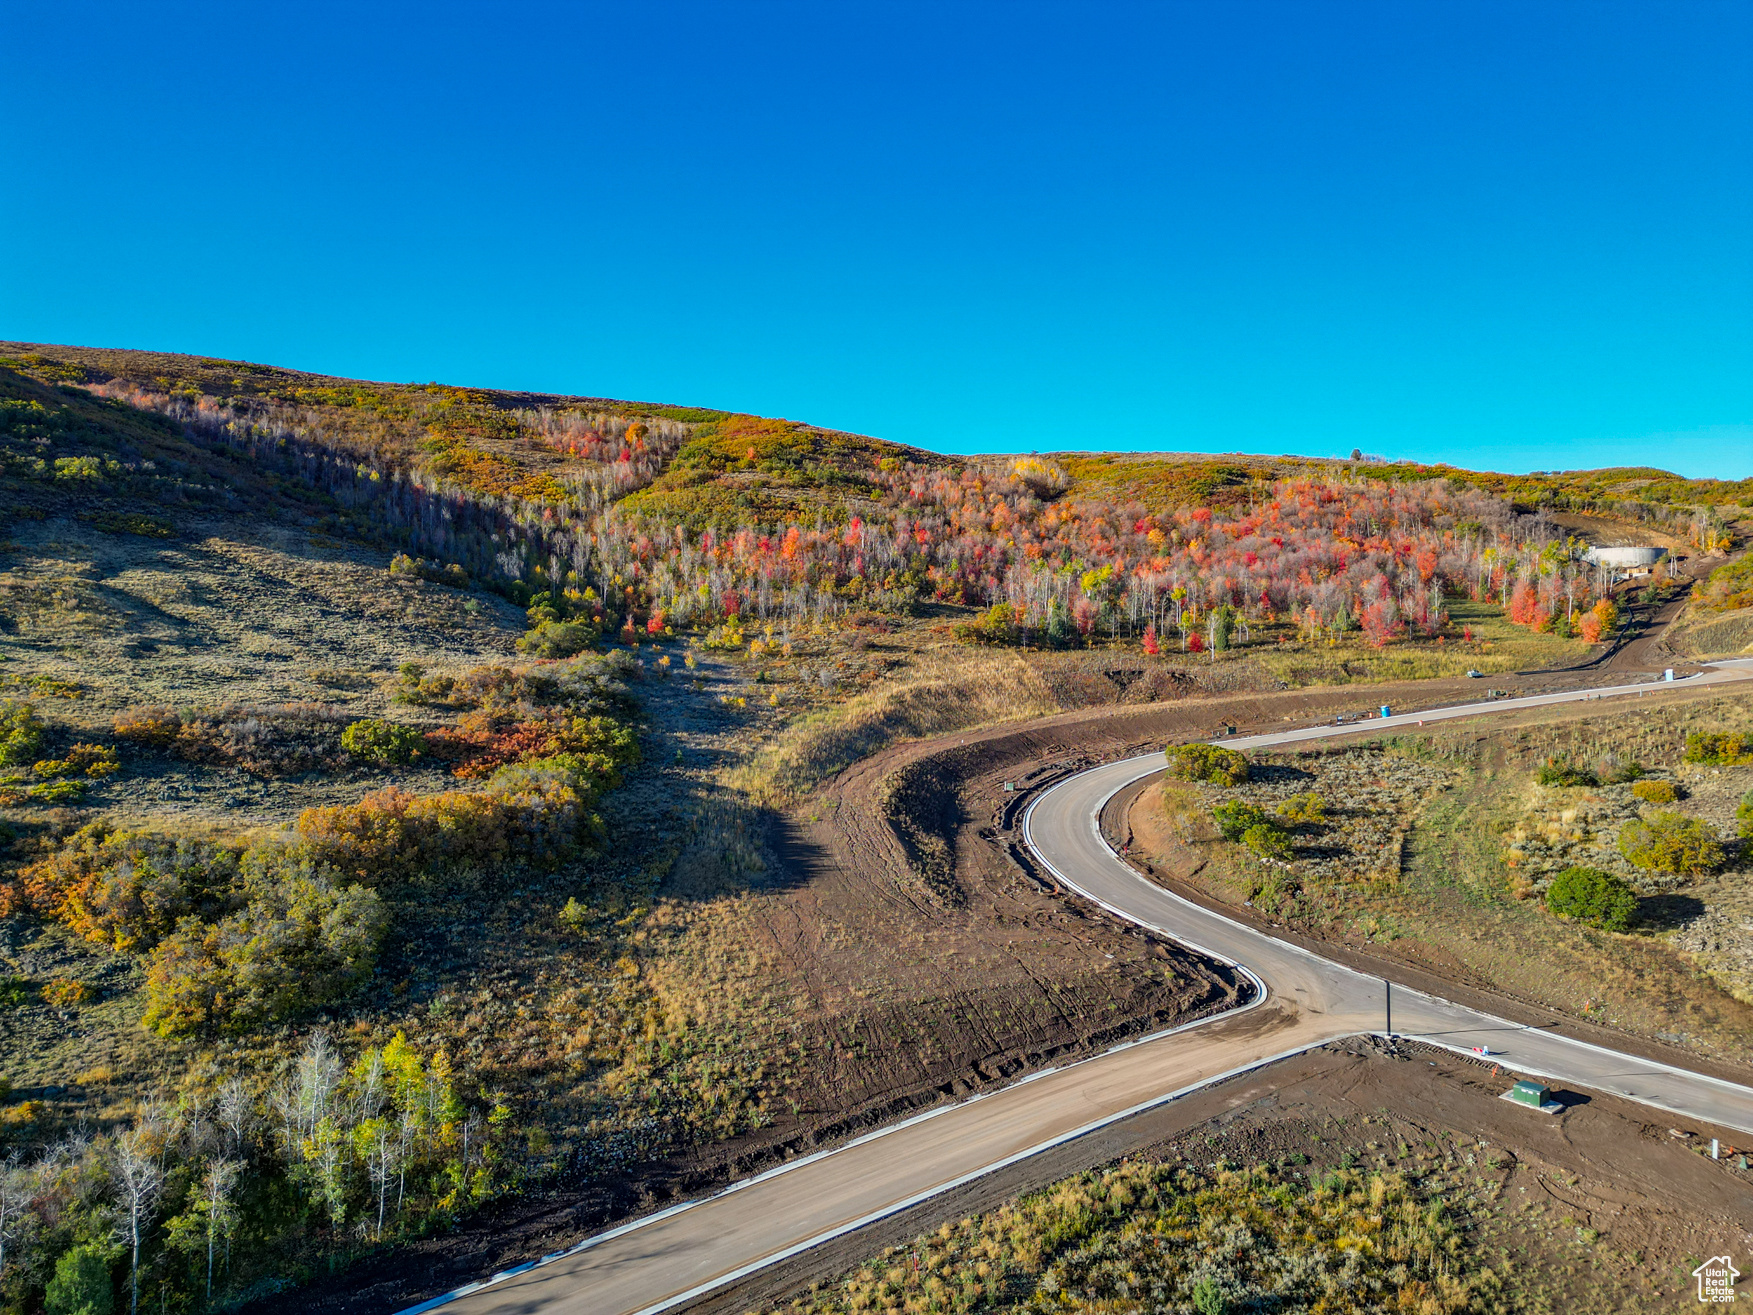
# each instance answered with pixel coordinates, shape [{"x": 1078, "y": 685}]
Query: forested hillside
[{"x": 634, "y": 518}]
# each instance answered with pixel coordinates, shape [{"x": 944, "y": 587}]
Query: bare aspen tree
[
  {"x": 283, "y": 1111},
  {"x": 368, "y": 1079},
  {"x": 217, "y": 1185},
  {"x": 408, "y": 1129},
  {"x": 17, "y": 1186},
  {"x": 301, "y": 1102},
  {"x": 234, "y": 1114},
  {"x": 197, "y": 1126},
  {"x": 137, "y": 1179},
  {"x": 326, "y": 1150},
  {"x": 377, "y": 1144},
  {"x": 157, "y": 1124}
]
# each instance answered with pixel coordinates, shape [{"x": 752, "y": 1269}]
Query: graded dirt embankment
[{"x": 930, "y": 827}]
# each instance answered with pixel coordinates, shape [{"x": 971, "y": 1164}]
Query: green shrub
[
  {"x": 149, "y": 527},
  {"x": 95, "y": 760},
  {"x": 1671, "y": 842},
  {"x": 1208, "y": 1297},
  {"x": 1724, "y": 750},
  {"x": 299, "y": 944},
  {"x": 1267, "y": 840},
  {"x": 385, "y": 742},
  {"x": 419, "y": 568},
  {"x": 1563, "y": 771},
  {"x": 83, "y": 468},
  {"x": 81, "y": 1285},
  {"x": 1592, "y": 896},
  {"x": 1210, "y": 763},
  {"x": 1655, "y": 792},
  {"x": 1061, "y": 630},
  {"x": 1744, "y": 815},
  {"x": 21, "y": 733},
  {"x": 1234, "y": 817},
  {"x": 996, "y": 625},
  {"x": 559, "y": 639},
  {"x": 14, "y": 991},
  {"x": 727, "y": 636},
  {"x": 1304, "y": 809},
  {"x": 57, "y": 792}
]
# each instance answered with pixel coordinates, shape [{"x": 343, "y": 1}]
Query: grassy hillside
[{"x": 334, "y": 844}]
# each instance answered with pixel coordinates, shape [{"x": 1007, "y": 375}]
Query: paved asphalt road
[{"x": 669, "y": 1258}]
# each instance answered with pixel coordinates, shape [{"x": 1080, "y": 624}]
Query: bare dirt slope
[{"x": 1654, "y": 645}]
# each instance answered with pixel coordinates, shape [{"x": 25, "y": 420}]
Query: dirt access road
[{"x": 1302, "y": 1000}]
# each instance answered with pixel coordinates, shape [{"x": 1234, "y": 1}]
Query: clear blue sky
[{"x": 1511, "y": 235}]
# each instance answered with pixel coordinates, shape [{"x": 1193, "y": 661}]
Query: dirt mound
[{"x": 1615, "y": 534}]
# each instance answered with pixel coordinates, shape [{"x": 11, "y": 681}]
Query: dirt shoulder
[{"x": 1644, "y": 1194}]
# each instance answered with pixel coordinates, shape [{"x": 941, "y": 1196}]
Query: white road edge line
[{"x": 874, "y": 1216}]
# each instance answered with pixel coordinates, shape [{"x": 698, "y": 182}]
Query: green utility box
[{"x": 1533, "y": 1095}]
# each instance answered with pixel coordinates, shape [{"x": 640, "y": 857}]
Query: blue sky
[{"x": 1514, "y": 236}]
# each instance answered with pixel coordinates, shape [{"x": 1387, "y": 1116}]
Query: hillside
[
  {"x": 627, "y": 516},
  {"x": 427, "y": 800}
]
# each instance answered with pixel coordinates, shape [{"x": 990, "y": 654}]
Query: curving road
[{"x": 673, "y": 1257}]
